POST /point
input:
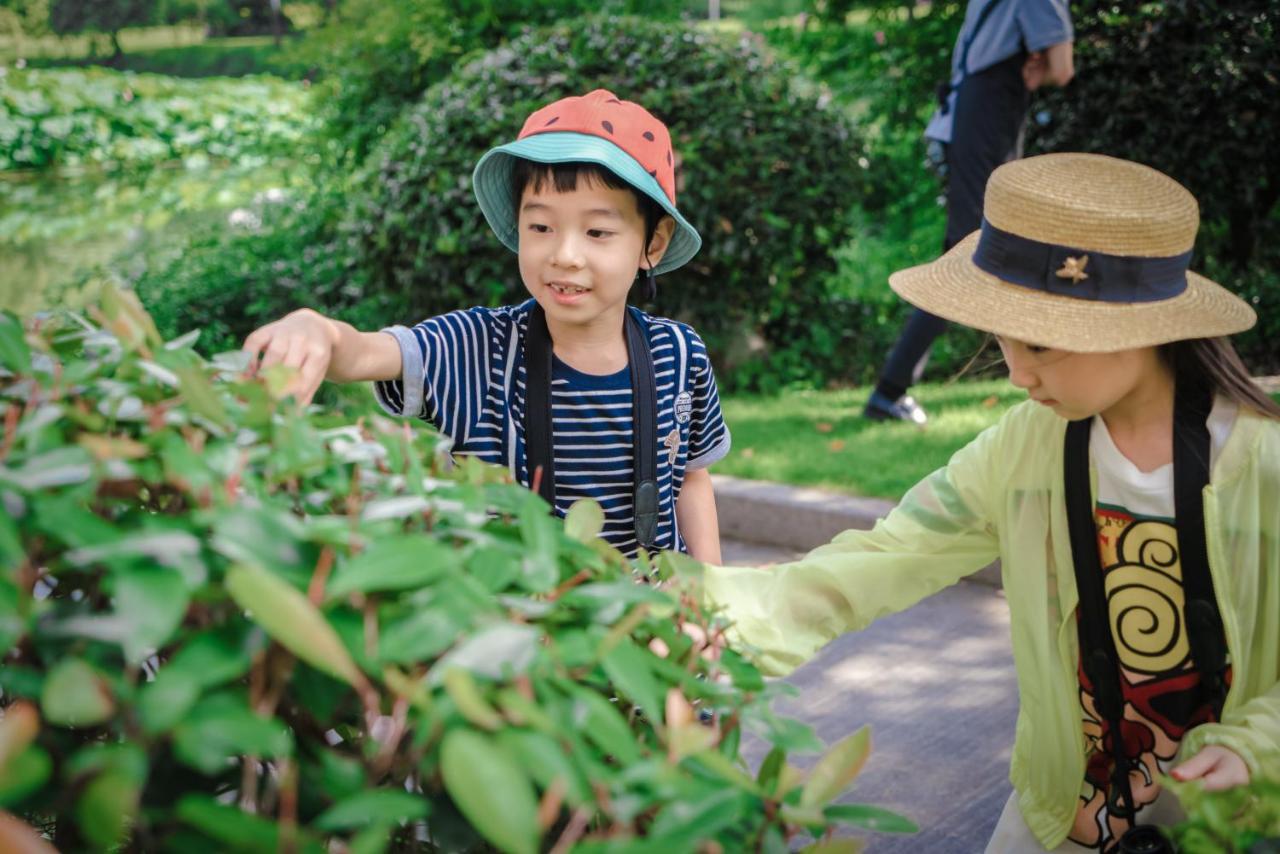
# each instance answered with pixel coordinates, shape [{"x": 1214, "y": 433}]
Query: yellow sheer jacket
[{"x": 1002, "y": 496}]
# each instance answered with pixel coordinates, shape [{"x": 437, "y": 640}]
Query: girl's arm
[
  {"x": 696, "y": 516},
  {"x": 939, "y": 533}
]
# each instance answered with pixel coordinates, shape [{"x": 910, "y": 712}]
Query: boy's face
[{"x": 580, "y": 249}]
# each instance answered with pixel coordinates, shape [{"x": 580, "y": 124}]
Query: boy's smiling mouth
[{"x": 568, "y": 289}]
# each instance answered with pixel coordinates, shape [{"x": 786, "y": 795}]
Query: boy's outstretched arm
[
  {"x": 321, "y": 348},
  {"x": 696, "y": 515}
]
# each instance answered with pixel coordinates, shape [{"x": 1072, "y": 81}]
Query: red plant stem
[{"x": 320, "y": 576}]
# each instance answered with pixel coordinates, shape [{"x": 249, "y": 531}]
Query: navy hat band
[{"x": 1079, "y": 273}]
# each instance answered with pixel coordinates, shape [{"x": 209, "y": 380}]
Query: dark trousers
[{"x": 991, "y": 108}]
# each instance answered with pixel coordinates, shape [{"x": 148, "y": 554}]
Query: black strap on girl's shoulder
[
  {"x": 1191, "y": 444},
  {"x": 539, "y": 430},
  {"x": 1098, "y": 656}
]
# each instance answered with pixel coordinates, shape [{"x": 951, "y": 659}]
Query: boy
[{"x": 571, "y": 388}]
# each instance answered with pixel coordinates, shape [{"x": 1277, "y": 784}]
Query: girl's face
[
  {"x": 580, "y": 249},
  {"x": 1081, "y": 385}
]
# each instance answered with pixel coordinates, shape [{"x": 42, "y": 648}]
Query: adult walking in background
[{"x": 1005, "y": 51}]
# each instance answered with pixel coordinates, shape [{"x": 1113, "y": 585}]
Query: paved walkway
[{"x": 936, "y": 685}]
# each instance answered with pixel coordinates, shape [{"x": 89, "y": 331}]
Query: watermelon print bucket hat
[{"x": 621, "y": 136}]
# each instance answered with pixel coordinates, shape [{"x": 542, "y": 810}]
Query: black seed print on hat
[
  {"x": 654, "y": 173},
  {"x": 607, "y": 126},
  {"x": 668, "y": 158},
  {"x": 553, "y": 120},
  {"x": 613, "y": 101},
  {"x": 648, "y": 135}
]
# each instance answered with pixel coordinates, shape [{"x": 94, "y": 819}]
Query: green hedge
[
  {"x": 1189, "y": 88},
  {"x": 94, "y": 116},
  {"x": 233, "y": 626},
  {"x": 767, "y": 172}
]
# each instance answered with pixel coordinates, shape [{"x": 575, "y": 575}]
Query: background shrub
[
  {"x": 95, "y": 116},
  {"x": 768, "y": 171},
  {"x": 1189, "y": 88}
]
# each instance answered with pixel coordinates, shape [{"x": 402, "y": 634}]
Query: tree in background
[
  {"x": 1187, "y": 87},
  {"x": 107, "y": 17}
]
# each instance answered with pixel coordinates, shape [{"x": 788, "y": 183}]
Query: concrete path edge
[{"x": 798, "y": 518}]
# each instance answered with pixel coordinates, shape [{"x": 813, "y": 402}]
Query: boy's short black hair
[{"x": 564, "y": 179}]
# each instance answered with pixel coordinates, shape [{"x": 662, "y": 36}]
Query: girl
[{"x": 1134, "y": 503}]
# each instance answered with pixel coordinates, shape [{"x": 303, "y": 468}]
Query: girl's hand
[
  {"x": 303, "y": 340},
  {"x": 1216, "y": 766}
]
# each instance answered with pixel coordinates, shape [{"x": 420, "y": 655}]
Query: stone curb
[{"x": 798, "y": 518}]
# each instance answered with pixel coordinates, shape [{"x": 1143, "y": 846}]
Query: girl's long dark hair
[{"x": 1215, "y": 363}]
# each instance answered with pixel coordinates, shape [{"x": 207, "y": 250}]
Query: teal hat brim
[{"x": 492, "y": 183}]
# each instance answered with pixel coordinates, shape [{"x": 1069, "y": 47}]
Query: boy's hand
[
  {"x": 303, "y": 340},
  {"x": 1217, "y": 767}
]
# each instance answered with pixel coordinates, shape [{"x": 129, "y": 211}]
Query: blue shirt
[
  {"x": 465, "y": 373},
  {"x": 1012, "y": 27}
]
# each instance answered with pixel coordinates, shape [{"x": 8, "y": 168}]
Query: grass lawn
[{"x": 818, "y": 438}]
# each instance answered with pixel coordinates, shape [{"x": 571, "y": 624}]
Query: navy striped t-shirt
[{"x": 465, "y": 373}]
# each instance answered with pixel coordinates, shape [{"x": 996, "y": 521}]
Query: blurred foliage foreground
[{"x": 231, "y": 625}]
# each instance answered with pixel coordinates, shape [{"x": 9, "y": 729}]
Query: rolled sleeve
[
  {"x": 405, "y": 396},
  {"x": 1044, "y": 23}
]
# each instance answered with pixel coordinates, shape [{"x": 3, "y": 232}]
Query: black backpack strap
[
  {"x": 1205, "y": 633},
  {"x": 644, "y": 403},
  {"x": 538, "y": 449},
  {"x": 538, "y": 428},
  {"x": 1098, "y": 656}
]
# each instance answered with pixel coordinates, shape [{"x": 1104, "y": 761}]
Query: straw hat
[{"x": 1079, "y": 252}]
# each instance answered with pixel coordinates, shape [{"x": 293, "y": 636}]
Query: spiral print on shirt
[{"x": 1145, "y": 599}]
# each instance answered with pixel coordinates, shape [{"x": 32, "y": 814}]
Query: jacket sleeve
[
  {"x": 1251, "y": 730},
  {"x": 941, "y": 531}
]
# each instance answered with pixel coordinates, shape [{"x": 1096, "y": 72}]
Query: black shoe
[{"x": 881, "y": 408}]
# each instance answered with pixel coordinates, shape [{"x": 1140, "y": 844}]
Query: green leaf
[
  {"x": 627, "y": 667},
  {"x": 421, "y": 636},
  {"x": 66, "y": 466},
  {"x": 836, "y": 769},
  {"x": 541, "y": 568},
  {"x": 126, "y": 758},
  {"x": 23, "y": 774},
  {"x": 291, "y": 620},
  {"x": 15, "y": 355},
  {"x": 264, "y": 539},
  {"x": 602, "y": 723},
  {"x": 166, "y": 701},
  {"x": 491, "y": 790},
  {"x": 494, "y": 567},
  {"x": 376, "y": 806},
  {"x": 464, "y": 692},
  {"x": 106, "y": 809},
  {"x": 75, "y": 695},
  {"x": 834, "y": 846},
  {"x": 393, "y": 563},
  {"x": 683, "y": 823},
  {"x": 222, "y": 727},
  {"x": 745, "y": 675},
  {"x": 584, "y": 521},
  {"x": 238, "y": 830},
  {"x": 548, "y": 762},
  {"x": 499, "y": 651},
  {"x": 870, "y": 818},
  {"x": 153, "y": 601}
]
